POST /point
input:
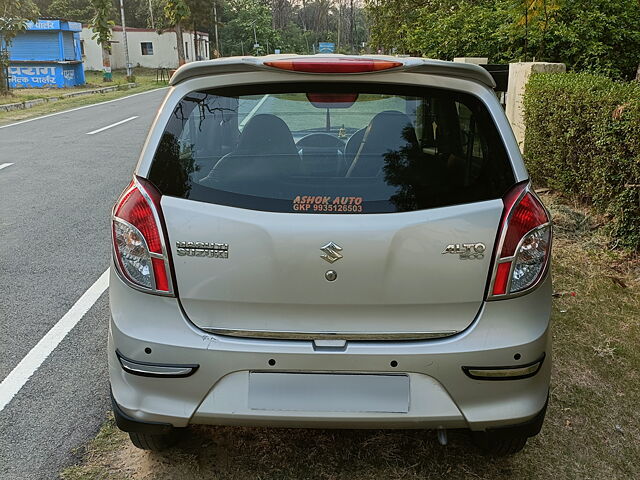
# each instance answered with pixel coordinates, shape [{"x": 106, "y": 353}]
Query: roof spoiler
[{"x": 252, "y": 64}]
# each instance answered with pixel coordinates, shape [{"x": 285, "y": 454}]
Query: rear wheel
[
  {"x": 499, "y": 445},
  {"x": 154, "y": 443}
]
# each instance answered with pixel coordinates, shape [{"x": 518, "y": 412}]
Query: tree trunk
[
  {"x": 352, "y": 23},
  {"x": 106, "y": 64},
  {"x": 638, "y": 73},
  {"x": 4, "y": 72},
  {"x": 180, "y": 41},
  {"x": 4, "y": 82}
]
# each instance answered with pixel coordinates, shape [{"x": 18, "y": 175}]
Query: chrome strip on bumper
[
  {"x": 149, "y": 369},
  {"x": 514, "y": 372},
  {"x": 292, "y": 335}
]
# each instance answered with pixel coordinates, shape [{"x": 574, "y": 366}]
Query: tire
[
  {"x": 503, "y": 441},
  {"x": 496, "y": 445},
  {"x": 154, "y": 443}
]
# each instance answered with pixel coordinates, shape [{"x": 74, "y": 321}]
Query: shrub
[{"x": 583, "y": 139}]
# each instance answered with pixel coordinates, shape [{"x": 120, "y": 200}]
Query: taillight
[
  {"x": 524, "y": 244},
  {"x": 333, "y": 64},
  {"x": 138, "y": 241}
]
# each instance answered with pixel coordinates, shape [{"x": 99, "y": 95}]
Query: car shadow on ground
[{"x": 240, "y": 453}]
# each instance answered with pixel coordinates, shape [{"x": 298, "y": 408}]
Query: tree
[
  {"x": 539, "y": 14},
  {"x": 177, "y": 11},
  {"x": 76, "y": 10},
  {"x": 101, "y": 25},
  {"x": 281, "y": 13},
  {"x": 14, "y": 15},
  {"x": 600, "y": 36},
  {"x": 200, "y": 18}
]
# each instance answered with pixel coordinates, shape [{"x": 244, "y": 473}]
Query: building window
[
  {"x": 82, "y": 48},
  {"x": 147, "y": 48},
  {"x": 186, "y": 50}
]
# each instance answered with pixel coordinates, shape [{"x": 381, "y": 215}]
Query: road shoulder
[{"x": 15, "y": 116}]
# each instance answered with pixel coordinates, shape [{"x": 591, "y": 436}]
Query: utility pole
[
  {"x": 124, "y": 37},
  {"x": 153, "y": 26},
  {"x": 215, "y": 28},
  {"x": 256, "y": 45},
  {"x": 195, "y": 41}
]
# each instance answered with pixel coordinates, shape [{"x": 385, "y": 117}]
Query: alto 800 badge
[{"x": 466, "y": 251}]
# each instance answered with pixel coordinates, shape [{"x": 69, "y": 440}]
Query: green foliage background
[
  {"x": 293, "y": 26},
  {"x": 583, "y": 138},
  {"x": 600, "y": 36}
]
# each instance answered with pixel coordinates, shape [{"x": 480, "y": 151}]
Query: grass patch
[
  {"x": 108, "y": 440},
  {"x": 592, "y": 429},
  {"x": 145, "y": 78}
]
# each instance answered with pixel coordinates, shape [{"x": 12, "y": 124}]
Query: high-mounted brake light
[
  {"x": 524, "y": 244},
  {"x": 138, "y": 241},
  {"x": 333, "y": 65},
  {"x": 332, "y": 100}
]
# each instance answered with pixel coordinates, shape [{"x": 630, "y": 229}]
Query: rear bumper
[{"x": 441, "y": 394}]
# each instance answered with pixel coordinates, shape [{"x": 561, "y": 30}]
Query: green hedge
[{"x": 583, "y": 139}]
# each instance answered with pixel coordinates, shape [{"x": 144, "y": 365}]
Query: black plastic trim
[
  {"x": 128, "y": 424},
  {"x": 530, "y": 428},
  {"x": 508, "y": 367},
  {"x": 193, "y": 366}
]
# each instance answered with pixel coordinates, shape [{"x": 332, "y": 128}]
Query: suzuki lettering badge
[{"x": 331, "y": 252}]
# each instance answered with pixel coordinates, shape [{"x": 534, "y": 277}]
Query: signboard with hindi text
[
  {"x": 48, "y": 75},
  {"x": 47, "y": 53}
]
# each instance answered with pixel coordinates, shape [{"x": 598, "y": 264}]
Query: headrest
[
  {"x": 266, "y": 134},
  {"x": 390, "y": 130}
]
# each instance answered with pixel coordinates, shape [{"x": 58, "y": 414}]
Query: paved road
[{"x": 55, "y": 200}]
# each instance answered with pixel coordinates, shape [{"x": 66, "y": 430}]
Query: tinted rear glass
[{"x": 331, "y": 148}]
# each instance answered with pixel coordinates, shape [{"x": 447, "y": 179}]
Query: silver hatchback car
[{"x": 331, "y": 242}]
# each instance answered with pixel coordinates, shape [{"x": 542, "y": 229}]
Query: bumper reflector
[
  {"x": 505, "y": 373},
  {"x": 148, "y": 369}
]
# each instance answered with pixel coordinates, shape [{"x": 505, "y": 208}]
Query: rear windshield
[{"x": 331, "y": 149}]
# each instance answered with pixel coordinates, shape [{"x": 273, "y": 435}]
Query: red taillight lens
[
  {"x": 138, "y": 239},
  {"x": 502, "y": 278},
  {"x": 135, "y": 209},
  {"x": 333, "y": 65},
  {"x": 524, "y": 246},
  {"x": 528, "y": 214}
]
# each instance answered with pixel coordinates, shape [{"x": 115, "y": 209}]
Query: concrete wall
[
  {"x": 519, "y": 74},
  {"x": 473, "y": 60},
  {"x": 92, "y": 54},
  {"x": 164, "y": 49}
]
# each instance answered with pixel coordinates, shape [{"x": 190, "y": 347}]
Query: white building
[{"x": 147, "y": 48}]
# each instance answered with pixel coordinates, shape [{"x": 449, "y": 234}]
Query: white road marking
[
  {"x": 16, "y": 379},
  {"x": 253, "y": 111},
  {"x": 80, "y": 108},
  {"x": 112, "y": 125},
  {"x": 5, "y": 165}
]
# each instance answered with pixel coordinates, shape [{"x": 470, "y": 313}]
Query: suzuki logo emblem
[{"x": 331, "y": 252}]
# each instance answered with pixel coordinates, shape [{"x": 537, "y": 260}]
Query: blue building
[{"x": 47, "y": 54}]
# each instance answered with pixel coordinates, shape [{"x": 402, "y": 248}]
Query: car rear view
[{"x": 333, "y": 242}]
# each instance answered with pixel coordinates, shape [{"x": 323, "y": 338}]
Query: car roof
[{"x": 409, "y": 64}]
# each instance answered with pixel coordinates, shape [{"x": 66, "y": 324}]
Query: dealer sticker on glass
[{"x": 327, "y": 203}]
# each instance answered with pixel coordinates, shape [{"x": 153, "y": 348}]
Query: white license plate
[{"x": 320, "y": 392}]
